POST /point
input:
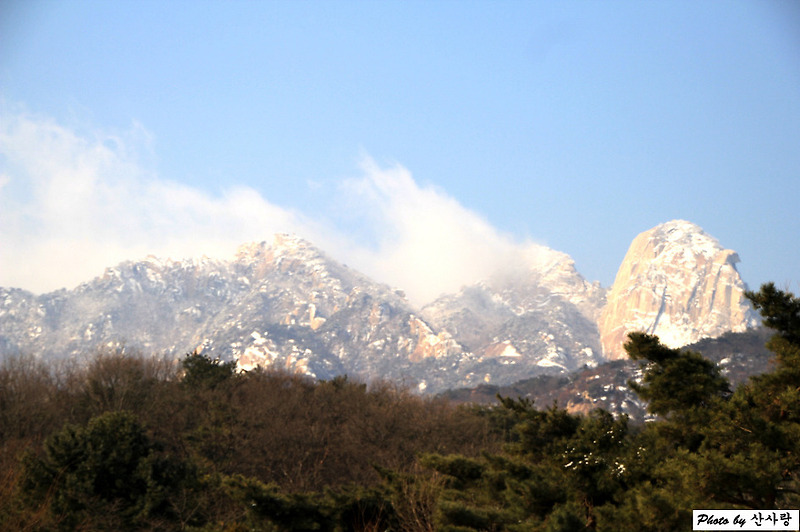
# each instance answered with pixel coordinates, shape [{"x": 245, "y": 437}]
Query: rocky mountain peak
[
  {"x": 287, "y": 253},
  {"x": 286, "y": 304},
  {"x": 679, "y": 283},
  {"x": 684, "y": 238},
  {"x": 283, "y": 245}
]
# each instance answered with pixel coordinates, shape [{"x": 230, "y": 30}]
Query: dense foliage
[{"x": 130, "y": 443}]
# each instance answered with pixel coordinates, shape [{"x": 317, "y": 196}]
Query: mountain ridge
[{"x": 287, "y": 304}]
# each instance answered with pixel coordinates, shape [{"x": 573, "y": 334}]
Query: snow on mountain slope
[
  {"x": 679, "y": 283},
  {"x": 540, "y": 310},
  {"x": 287, "y": 305}
]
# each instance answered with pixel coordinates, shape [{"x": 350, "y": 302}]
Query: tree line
[{"x": 136, "y": 443}]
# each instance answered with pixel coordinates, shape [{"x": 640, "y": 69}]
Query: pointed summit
[{"x": 679, "y": 283}]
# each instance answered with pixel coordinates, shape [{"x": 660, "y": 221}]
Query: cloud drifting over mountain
[
  {"x": 72, "y": 203},
  {"x": 425, "y": 241}
]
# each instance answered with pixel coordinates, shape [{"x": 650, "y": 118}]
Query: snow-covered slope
[
  {"x": 676, "y": 282},
  {"x": 286, "y": 304},
  {"x": 537, "y": 316}
]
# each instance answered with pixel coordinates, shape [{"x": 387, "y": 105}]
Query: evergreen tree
[
  {"x": 778, "y": 392},
  {"x": 712, "y": 449},
  {"x": 203, "y": 372},
  {"x": 554, "y": 474},
  {"x": 752, "y": 454},
  {"x": 675, "y": 382},
  {"x": 108, "y": 475}
]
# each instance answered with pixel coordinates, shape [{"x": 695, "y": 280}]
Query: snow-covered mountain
[
  {"x": 538, "y": 316},
  {"x": 287, "y": 304},
  {"x": 676, "y": 282},
  {"x": 283, "y": 305}
]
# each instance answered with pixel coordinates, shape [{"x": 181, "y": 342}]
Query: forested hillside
[{"x": 134, "y": 443}]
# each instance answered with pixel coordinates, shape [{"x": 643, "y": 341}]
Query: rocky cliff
[
  {"x": 536, "y": 316},
  {"x": 286, "y": 304},
  {"x": 283, "y": 304},
  {"x": 676, "y": 282}
]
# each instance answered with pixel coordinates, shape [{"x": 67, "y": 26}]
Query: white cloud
[
  {"x": 71, "y": 205},
  {"x": 424, "y": 241}
]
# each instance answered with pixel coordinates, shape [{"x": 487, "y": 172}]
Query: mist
[{"x": 73, "y": 203}]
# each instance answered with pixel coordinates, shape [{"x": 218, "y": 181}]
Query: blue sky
[{"x": 395, "y": 134}]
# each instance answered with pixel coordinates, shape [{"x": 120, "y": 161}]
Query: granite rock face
[
  {"x": 676, "y": 282},
  {"x": 538, "y": 316},
  {"x": 283, "y": 304},
  {"x": 286, "y": 304}
]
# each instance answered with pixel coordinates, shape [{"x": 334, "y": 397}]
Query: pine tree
[
  {"x": 107, "y": 475},
  {"x": 675, "y": 382},
  {"x": 203, "y": 372},
  {"x": 752, "y": 453}
]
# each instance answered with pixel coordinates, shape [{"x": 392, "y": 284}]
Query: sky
[{"x": 424, "y": 143}]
